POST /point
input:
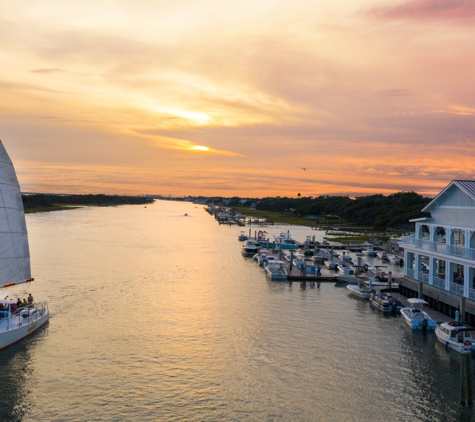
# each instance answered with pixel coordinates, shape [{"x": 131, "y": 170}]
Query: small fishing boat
[
  {"x": 299, "y": 260},
  {"x": 331, "y": 264},
  {"x": 284, "y": 241},
  {"x": 456, "y": 336},
  {"x": 348, "y": 279},
  {"x": 345, "y": 269},
  {"x": 415, "y": 317},
  {"x": 360, "y": 291},
  {"x": 385, "y": 302},
  {"x": 394, "y": 259},
  {"x": 250, "y": 247},
  {"x": 319, "y": 256},
  {"x": 276, "y": 271},
  {"x": 369, "y": 251},
  {"x": 242, "y": 237}
]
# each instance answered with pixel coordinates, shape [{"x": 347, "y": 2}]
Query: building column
[
  {"x": 418, "y": 233},
  {"x": 407, "y": 264},
  {"x": 432, "y": 269},
  {"x": 449, "y": 276},
  {"x": 417, "y": 265},
  {"x": 433, "y": 233},
  {"x": 466, "y": 279}
]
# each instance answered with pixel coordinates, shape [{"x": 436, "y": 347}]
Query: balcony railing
[
  {"x": 424, "y": 277},
  {"x": 471, "y": 294},
  {"x": 456, "y": 288},
  {"x": 428, "y": 245},
  {"x": 410, "y": 273},
  {"x": 439, "y": 282}
]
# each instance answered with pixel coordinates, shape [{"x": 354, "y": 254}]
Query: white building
[{"x": 439, "y": 261}]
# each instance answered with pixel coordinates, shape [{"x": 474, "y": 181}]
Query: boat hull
[
  {"x": 458, "y": 347},
  {"x": 14, "y": 329},
  {"x": 276, "y": 275},
  {"x": 358, "y": 292},
  {"x": 350, "y": 279},
  {"x": 417, "y": 323}
]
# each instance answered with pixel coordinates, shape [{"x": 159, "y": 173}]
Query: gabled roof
[{"x": 466, "y": 186}]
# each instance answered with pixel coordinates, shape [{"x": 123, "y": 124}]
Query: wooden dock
[
  {"x": 437, "y": 316},
  {"x": 296, "y": 275}
]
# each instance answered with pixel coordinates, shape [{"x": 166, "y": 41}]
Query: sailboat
[{"x": 16, "y": 321}]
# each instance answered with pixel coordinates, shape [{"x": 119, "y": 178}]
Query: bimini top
[{"x": 415, "y": 301}]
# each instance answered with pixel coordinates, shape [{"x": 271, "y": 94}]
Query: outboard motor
[{"x": 424, "y": 324}]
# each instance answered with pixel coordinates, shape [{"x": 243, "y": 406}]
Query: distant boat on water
[{"x": 16, "y": 320}]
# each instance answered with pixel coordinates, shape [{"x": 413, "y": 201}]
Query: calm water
[{"x": 157, "y": 316}]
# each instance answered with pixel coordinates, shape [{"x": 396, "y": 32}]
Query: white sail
[{"x": 14, "y": 250}]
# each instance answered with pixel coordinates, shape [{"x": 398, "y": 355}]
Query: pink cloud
[{"x": 460, "y": 10}]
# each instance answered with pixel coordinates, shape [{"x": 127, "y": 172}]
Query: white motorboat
[
  {"x": 250, "y": 247},
  {"x": 457, "y": 336},
  {"x": 360, "y": 291},
  {"x": 242, "y": 237},
  {"x": 269, "y": 259},
  {"x": 383, "y": 256},
  {"x": 369, "y": 251},
  {"x": 415, "y": 317},
  {"x": 331, "y": 264},
  {"x": 394, "y": 259},
  {"x": 344, "y": 269},
  {"x": 284, "y": 241},
  {"x": 348, "y": 279},
  {"x": 299, "y": 260},
  {"x": 346, "y": 258},
  {"x": 260, "y": 255},
  {"x": 276, "y": 270},
  {"x": 15, "y": 322},
  {"x": 319, "y": 256}
]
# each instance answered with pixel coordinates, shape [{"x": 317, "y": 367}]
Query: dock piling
[{"x": 466, "y": 381}]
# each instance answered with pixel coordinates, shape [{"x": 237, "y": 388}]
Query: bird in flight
[{"x": 304, "y": 169}]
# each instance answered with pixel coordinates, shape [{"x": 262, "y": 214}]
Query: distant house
[{"x": 440, "y": 257}]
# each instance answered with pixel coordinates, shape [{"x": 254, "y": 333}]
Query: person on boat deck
[
  {"x": 30, "y": 300},
  {"x": 24, "y": 304},
  {"x": 18, "y": 303}
]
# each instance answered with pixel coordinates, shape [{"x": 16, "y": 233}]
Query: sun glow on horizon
[{"x": 199, "y": 148}]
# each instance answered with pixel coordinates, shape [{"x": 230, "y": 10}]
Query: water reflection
[
  {"x": 16, "y": 383},
  {"x": 179, "y": 326}
]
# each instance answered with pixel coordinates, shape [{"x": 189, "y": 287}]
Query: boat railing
[{"x": 27, "y": 314}]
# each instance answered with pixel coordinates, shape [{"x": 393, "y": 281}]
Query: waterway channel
[{"x": 156, "y": 316}]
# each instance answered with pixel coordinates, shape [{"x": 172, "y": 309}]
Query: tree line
[
  {"x": 379, "y": 211},
  {"x": 49, "y": 200}
]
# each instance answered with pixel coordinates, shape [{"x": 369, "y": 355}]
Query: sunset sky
[{"x": 238, "y": 97}]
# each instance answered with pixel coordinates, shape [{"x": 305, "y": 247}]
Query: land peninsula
[{"x": 39, "y": 202}]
